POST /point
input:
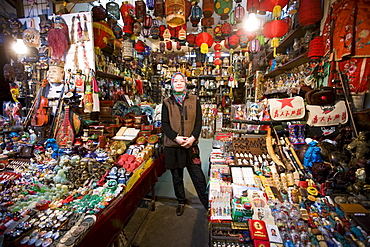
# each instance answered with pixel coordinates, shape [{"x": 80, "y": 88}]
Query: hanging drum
[
  {"x": 112, "y": 9},
  {"x": 175, "y": 11}
]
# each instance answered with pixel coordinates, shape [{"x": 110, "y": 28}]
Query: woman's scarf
[{"x": 179, "y": 96}]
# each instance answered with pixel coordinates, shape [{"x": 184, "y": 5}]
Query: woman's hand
[
  {"x": 188, "y": 142},
  {"x": 181, "y": 140}
]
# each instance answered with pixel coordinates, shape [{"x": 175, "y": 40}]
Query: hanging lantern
[
  {"x": 103, "y": 34},
  {"x": 148, "y": 21},
  {"x": 261, "y": 39},
  {"x": 154, "y": 30},
  {"x": 208, "y": 8},
  {"x": 117, "y": 30},
  {"x": 204, "y": 40},
  {"x": 182, "y": 34},
  {"x": 113, "y": 9},
  {"x": 162, "y": 28},
  {"x": 239, "y": 13},
  {"x": 169, "y": 45},
  {"x": 162, "y": 47},
  {"x": 254, "y": 45},
  {"x": 270, "y": 4},
  {"x": 208, "y": 22},
  {"x": 309, "y": 13},
  {"x": 99, "y": 13},
  {"x": 137, "y": 28},
  {"x": 217, "y": 54},
  {"x": 127, "y": 50},
  {"x": 175, "y": 12},
  {"x": 232, "y": 18},
  {"x": 140, "y": 46},
  {"x": 233, "y": 41},
  {"x": 178, "y": 45},
  {"x": 167, "y": 34},
  {"x": 140, "y": 8},
  {"x": 150, "y": 4},
  {"x": 159, "y": 9},
  {"x": 128, "y": 27},
  {"x": 316, "y": 49},
  {"x": 173, "y": 32},
  {"x": 196, "y": 15},
  {"x": 127, "y": 9},
  {"x": 217, "y": 47},
  {"x": 254, "y": 5},
  {"x": 145, "y": 32},
  {"x": 188, "y": 7},
  {"x": 223, "y": 8},
  {"x": 217, "y": 62},
  {"x": 243, "y": 40},
  {"x": 226, "y": 29},
  {"x": 217, "y": 31},
  {"x": 190, "y": 38},
  {"x": 274, "y": 30}
]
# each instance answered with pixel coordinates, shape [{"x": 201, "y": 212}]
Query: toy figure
[{"x": 361, "y": 145}]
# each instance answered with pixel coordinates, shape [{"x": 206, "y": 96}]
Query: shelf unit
[
  {"x": 110, "y": 76},
  {"x": 288, "y": 40},
  {"x": 301, "y": 59}
]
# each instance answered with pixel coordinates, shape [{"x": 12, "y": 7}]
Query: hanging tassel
[
  {"x": 275, "y": 44},
  {"x": 276, "y": 13},
  {"x": 86, "y": 30}
]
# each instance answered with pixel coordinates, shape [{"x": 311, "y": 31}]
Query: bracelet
[{"x": 312, "y": 191}]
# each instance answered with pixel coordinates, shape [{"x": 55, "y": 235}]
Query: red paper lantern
[
  {"x": 316, "y": 49},
  {"x": 233, "y": 41},
  {"x": 217, "y": 62},
  {"x": 140, "y": 46},
  {"x": 140, "y": 8},
  {"x": 148, "y": 21},
  {"x": 103, "y": 34},
  {"x": 309, "y": 12},
  {"x": 270, "y": 4},
  {"x": 217, "y": 54},
  {"x": 226, "y": 29},
  {"x": 128, "y": 27},
  {"x": 127, "y": 9},
  {"x": 217, "y": 47},
  {"x": 190, "y": 38},
  {"x": 204, "y": 40},
  {"x": 275, "y": 29}
]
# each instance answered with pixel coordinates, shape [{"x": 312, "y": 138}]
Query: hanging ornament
[
  {"x": 217, "y": 54},
  {"x": 145, "y": 32},
  {"x": 239, "y": 13},
  {"x": 274, "y": 30},
  {"x": 117, "y": 30},
  {"x": 169, "y": 45},
  {"x": 309, "y": 13},
  {"x": 208, "y": 22},
  {"x": 162, "y": 28},
  {"x": 269, "y": 5},
  {"x": 223, "y": 8},
  {"x": 178, "y": 45},
  {"x": 113, "y": 9},
  {"x": 261, "y": 39},
  {"x": 167, "y": 35},
  {"x": 140, "y": 46},
  {"x": 204, "y": 40},
  {"x": 150, "y": 4},
  {"x": 175, "y": 12},
  {"x": 127, "y": 9},
  {"x": 218, "y": 31},
  {"x": 217, "y": 47},
  {"x": 188, "y": 7},
  {"x": 190, "y": 38},
  {"x": 232, "y": 18},
  {"x": 208, "y": 8},
  {"x": 148, "y": 21},
  {"x": 226, "y": 29},
  {"x": 31, "y": 36},
  {"x": 136, "y": 28},
  {"x": 162, "y": 47},
  {"x": 147, "y": 50},
  {"x": 316, "y": 49},
  {"x": 140, "y": 8},
  {"x": 217, "y": 62},
  {"x": 99, "y": 13},
  {"x": 233, "y": 41},
  {"x": 128, "y": 27},
  {"x": 154, "y": 30},
  {"x": 196, "y": 15},
  {"x": 159, "y": 9},
  {"x": 127, "y": 50},
  {"x": 182, "y": 34},
  {"x": 254, "y": 45}
]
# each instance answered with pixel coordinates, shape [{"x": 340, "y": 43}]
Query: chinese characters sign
[
  {"x": 327, "y": 115},
  {"x": 287, "y": 108}
]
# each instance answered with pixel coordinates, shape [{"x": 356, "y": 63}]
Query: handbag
[{"x": 323, "y": 96}]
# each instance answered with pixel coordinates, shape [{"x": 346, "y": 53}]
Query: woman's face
[{"x": 179, "y": 83}]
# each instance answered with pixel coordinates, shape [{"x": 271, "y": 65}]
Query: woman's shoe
[{"x": 180, "y": 209}]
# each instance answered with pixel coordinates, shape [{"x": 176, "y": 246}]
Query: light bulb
[
  {"x": 252, "y": 23},
  {"x": 19, "y": 47}
]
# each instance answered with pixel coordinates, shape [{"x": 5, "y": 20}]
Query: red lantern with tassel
[
  {"x": 217, "y": 62},
  {"x": 270, "y": 4},
  {"x": 128, "y": 27},
  {"x": 309, "y": 12},
  {"x": 316, "y": 48},
  {"x": 204, "y": 40},
  {"x": 274, "y": 30},
  {"x": 217, "y": 47},
  {"x": 226, "y": 29}
]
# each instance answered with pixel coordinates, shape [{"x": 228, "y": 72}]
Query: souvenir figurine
[{"x": 360, "y": 145}]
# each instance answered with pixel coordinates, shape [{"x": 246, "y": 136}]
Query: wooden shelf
[
  {"x": 288, "y": 40},
  {"x": 201, "y": 76},
  {"x": 111, "y": 76},
  {"x": 301, "y": 59}
]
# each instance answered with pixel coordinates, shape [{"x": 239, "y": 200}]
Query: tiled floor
[{"x": 162, "y": 227}]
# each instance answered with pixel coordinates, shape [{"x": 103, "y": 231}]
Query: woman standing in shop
[{"x": 181, "y": 124}]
